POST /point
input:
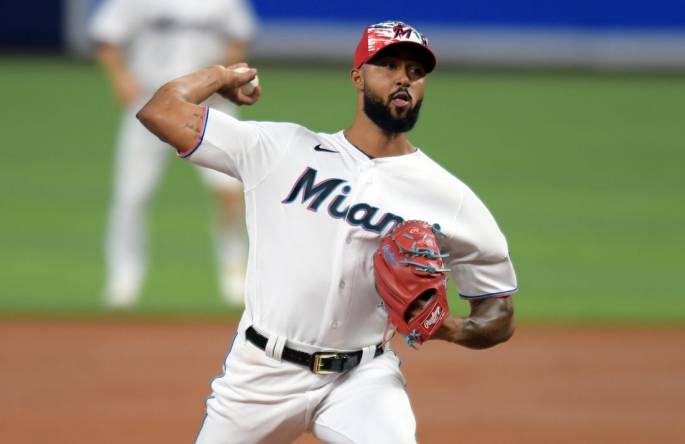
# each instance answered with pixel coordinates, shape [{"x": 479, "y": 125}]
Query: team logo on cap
[
  {"x": 381, "y": 35},
  {"x": 401, "y": 32},
  {"x": 387, "y": 32}
]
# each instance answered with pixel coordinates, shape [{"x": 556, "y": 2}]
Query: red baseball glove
[{"x": 410, "y": 277}]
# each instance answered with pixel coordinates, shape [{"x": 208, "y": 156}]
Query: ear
[{"x": 357, "y": 78}]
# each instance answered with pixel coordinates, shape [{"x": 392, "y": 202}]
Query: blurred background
[{"x": 566, "y": 117}]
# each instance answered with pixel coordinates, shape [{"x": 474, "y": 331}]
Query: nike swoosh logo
[{"x": 325, "y": 150}]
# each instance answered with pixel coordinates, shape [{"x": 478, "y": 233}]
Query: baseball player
[
  {"x": 310, "y": 352},
  {"x": 142, "y": 45}
]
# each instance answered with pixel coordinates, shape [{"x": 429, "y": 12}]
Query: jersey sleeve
[
  {"x": 479, "y": 254},
  {"x": 114, "y": 22},
  {"x": 247, "y": 151},
  {"x": 240, "y": 23}
]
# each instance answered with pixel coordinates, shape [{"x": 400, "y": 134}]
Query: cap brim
[{"x": 424, "y": 54}]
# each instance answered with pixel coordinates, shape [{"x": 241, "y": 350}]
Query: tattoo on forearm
[
  {"x": 192, "y": 127},
  {"x": 195, "y": 126}
]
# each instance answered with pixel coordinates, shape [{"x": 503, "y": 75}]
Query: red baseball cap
[{"x": 382, "y": 35}]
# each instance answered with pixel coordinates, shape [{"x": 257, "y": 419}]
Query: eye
[
  {"x": 417, "y": 71},
  {"x": 387, "y": 63}
]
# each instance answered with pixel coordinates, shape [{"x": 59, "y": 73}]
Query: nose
[{"x": 403, "y": 76}]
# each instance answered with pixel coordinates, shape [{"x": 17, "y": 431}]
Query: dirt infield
[{"x": 145, "y": 382}]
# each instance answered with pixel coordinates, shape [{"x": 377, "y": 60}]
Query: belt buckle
[{"x": 316, "y": 364}]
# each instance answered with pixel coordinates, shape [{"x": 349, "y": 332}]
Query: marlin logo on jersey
[{"x": 361, "y": 214}]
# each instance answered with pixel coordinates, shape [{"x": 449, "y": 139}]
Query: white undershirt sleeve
[
  {"x": 479, "y": 254},
  {"x": 247, "y": 151}
]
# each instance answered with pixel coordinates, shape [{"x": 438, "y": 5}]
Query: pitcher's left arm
[{"x": 490, "y": 322}]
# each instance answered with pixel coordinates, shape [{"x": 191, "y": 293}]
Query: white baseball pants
[{"x": 262, "y": 400}]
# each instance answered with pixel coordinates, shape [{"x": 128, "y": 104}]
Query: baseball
[{"x": 250, "y": 86}]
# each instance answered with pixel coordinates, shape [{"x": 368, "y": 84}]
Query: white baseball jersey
[
  {"x": 316, "y": 207},
  {"x": 165, "y": 39}
]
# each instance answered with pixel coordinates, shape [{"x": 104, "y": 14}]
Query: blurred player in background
[{"x": 142, "y": 45}]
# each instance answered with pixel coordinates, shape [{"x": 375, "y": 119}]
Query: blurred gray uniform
[{"x": 162, "y": 40}]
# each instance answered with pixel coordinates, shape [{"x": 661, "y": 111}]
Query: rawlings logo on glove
[{"x": 411, "y": 280}]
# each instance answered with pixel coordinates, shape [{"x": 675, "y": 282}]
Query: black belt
[{"x": 321, "y": 363}]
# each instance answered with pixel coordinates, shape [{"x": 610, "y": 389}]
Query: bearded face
[{"x": 396, "y": 113}]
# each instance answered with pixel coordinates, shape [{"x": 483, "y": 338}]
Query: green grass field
[{"x": 585, "y": 174}]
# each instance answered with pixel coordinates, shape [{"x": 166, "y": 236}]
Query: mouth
[{"x": 400, "y": 99}]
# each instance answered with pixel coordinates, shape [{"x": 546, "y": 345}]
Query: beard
[{"x": 380, "y": 114}]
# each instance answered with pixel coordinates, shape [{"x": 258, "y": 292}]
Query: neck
[{"x": 373, "y": 141}]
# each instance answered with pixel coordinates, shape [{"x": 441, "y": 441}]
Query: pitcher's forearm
[
  {"x": 197, "y": 87},
  {"x": 172, "y": 118},
  {"x": 490, "y": 322},
  {"x": 173, "y": 115}
]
